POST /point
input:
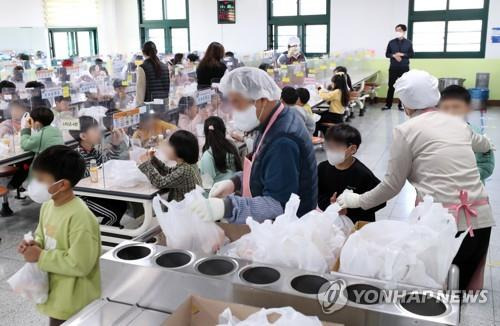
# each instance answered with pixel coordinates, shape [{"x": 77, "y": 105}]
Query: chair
[
  {"x": 5, "y": 172},
  {"x": 358, "y": 98},
  {"x": 371, "y": 89}
]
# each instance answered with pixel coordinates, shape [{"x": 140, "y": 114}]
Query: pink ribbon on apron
[
  {"x": 247, "y": 163},
  {"x": 467, "y": 207}
]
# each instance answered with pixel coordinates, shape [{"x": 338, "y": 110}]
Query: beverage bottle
[{"x": 94, "y": 176}]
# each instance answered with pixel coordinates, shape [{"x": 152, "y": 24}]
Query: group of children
[{"x": 67, "y": 241}]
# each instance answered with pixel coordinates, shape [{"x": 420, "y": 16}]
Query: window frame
[
  {"x": 301, "y": 21},
  {"x": 448, "y": 15},
  {"x": 73, "y": 39},
  {"x": 166, "y": 24}
]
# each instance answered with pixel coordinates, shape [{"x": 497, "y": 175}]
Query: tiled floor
[{"x": 376, "y": 128}]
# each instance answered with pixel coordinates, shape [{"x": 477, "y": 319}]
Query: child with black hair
[
  {"x": 343, "y": 69},
  {"x": 44, "y": 136},
  {"x": 36, "y": 99},
  {"x": 290, "y": 97},
  {"x": 189, "y": 114},
  {"x": 61, "y": 109},
  {"x": 67, "y": 242},
  {"x": 121, "y": 100},
  {"x": 92, "y": 148},
  {"x": 338, "y": 98},
  {"x": 181, "y": 147},
  {"x": 456, "y": 100},
  {"x": 220, "y": 159},
  {"x": 343, "y": 171}
]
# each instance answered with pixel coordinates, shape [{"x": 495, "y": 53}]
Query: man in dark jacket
[
  {"x": 399, "y": 50},
  {"x": 283, "y": 161}
]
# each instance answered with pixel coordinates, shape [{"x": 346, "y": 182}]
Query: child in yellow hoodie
[{"x": 67, "y": 241}]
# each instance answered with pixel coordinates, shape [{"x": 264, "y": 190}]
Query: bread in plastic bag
[
  {"x": 311, "y": 243},
  {"x": 287, "y": 316},
  {"x": 123, "y": 173},
  {"x": 417, "y": 251},
  {"x": 30, "y": 281},
  {"x": 185, "y": 230}
]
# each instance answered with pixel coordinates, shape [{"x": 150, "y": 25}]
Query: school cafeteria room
[{"x": 249, "y": 162}]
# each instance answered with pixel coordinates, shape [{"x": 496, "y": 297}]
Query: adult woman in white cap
[
  {"x": 435, "y": 153},
  {"x": 282, "y": 163},
  {"x": 293, "y": 54}
]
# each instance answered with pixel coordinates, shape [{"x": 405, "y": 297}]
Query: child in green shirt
[
  {"x": 67, "y": 241},
  {"x": 456, "y": 100}
]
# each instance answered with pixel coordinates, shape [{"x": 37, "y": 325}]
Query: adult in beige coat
[{"x": 435, "y": 153}]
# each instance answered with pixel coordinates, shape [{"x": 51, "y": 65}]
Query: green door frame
[
  {"x": 73, "y": 40},
  {"x": 166, "y": 24},
  {"x": 301, "y": 22},
  {"x": 446, "y": 16}
]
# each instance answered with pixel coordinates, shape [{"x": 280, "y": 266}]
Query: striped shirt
[{"x": 99, "y": 153}]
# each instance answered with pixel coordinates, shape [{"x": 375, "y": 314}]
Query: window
[
  {"x": 448, "y": 28},
  {"x": 166, "y": 23},
  {"x": 309, "y": 20},
  {"x": 67, "y": 42}
]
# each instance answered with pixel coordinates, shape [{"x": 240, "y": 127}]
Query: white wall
[
  {"x": 127, "y": 26},
  {"x": 22, "y": 13},
  {"x": 365, "y": 24},
  {"x": 248, "y": 35}
]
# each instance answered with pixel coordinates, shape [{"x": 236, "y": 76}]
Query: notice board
[{"x": 226, "y": 11}]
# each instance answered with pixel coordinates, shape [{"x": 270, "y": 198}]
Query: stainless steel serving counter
[{"x": 145, "y": 282}]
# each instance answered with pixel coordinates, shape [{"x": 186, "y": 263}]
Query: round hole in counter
[
  {"x": 363, "y": 294},
  {"x": 133, "y": 252},
  {"x": 173, "y": 259},
  {"x": 216, "y": 266},
  {"x": 308, "y": 284},
  {"x": 260, "y": 275},
  {"x": 423, "y": 305}
]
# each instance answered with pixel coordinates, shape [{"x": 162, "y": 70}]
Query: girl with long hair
[
  {"x": 220, "y": 159},
  {"x": 211, "y": 68},
  {"x": 337, "y": 96},
  {"x": 153, "y": 77}
]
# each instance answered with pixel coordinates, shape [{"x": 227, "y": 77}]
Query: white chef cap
[
  {"x": 418, "y": 90},
  {"x": 293, "y": 41},
  {"x": 250, "y": 82}
]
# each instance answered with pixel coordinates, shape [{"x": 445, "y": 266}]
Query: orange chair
[{"x": 5, "y": 172}]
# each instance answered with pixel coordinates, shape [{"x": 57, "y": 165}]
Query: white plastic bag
[
  {"x": 312, "y": 242},
  {"x": 185, "y": 230},
  {"x": 30, "y": 282},
  {"x": 123, "y": 173},
  {"x": 417, "y": 251},
  {"x": 287, "y": 316},
  {"x": 136, "y": 152}
]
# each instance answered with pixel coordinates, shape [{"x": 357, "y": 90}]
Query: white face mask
[
  {"x": 335, "y": 157},
  {"x": 400, "y": 34},
  {"x": 246, "y": 120},
  {"x": 39, "y": 192}
]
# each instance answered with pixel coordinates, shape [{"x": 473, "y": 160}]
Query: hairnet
[
  {"x": 250, "y": 82},
  {"x": 294, "y": 40},
  {"x": 418, "y": 90}
]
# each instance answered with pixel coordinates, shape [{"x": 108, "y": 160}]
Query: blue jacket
[{"x": 286, "y": 164}]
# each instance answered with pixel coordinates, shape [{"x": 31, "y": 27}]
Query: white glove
[
  {"x": 222, "y": 189},
  {"x": 24, "y": 120},
  {"x": 349, "y": 199},
  {"x": 208, "y": 210}
]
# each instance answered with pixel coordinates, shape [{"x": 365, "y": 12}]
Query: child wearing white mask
[{"x": 343, "y": 171}]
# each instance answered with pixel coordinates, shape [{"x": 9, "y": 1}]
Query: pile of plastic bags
[
  {"x": 417, "y": 251},
  {"x": 123, "y": 173},
  {"x": 185, "y": 230},
  {"x": 30, "y": 282},
  {"x": 312, "y": 242},
  {"x": 287, "y": 316}
]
